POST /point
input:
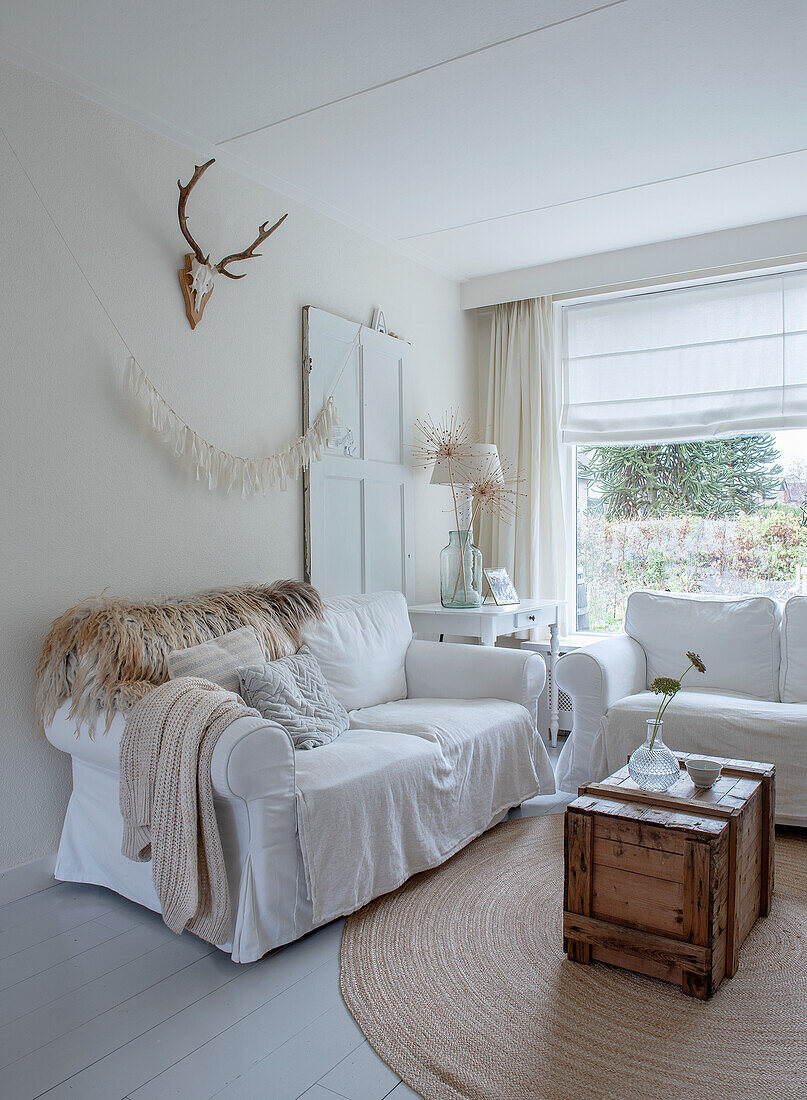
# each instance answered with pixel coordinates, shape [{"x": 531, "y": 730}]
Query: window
[
  {"x": 687, "y": 408},
  {"x": 723, "y": 516}
]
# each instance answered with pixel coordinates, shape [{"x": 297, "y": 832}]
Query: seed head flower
[
  {"x": 496, "y": 489},
  {"x": 696, "y": 661},
  {"x": 665, "y": 685},
  {"x": 447, "y": 439}
]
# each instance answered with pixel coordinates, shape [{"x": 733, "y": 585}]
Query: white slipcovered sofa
[
  {"x": 442, "y": 743},
  {"x": 750, "y": 704}
]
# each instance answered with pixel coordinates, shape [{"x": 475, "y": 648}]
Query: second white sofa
[{"x": 751, "y": 704}]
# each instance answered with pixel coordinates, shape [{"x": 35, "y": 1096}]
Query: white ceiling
[{"x": 485, "y": 135}]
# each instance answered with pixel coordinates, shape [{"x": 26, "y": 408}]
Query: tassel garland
[{"x": 220, "y": 468}]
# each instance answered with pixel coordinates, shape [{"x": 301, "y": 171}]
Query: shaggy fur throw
[{"x": 104, "y": 654}]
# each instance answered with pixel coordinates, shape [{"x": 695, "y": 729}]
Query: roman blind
[{"x": 693, "y": 363}]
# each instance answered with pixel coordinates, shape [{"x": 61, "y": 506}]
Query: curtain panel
[{"x": 521, "y": 415}]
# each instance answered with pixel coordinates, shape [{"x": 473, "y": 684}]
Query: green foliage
[
  {"x": 711, "y": 478},
  {"x": 758, "y": 553}
]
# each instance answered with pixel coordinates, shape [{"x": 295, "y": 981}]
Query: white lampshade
[{"x": 482, "y": 461}]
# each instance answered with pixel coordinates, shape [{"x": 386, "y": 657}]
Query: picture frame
[{"x": 501, "y": 587}]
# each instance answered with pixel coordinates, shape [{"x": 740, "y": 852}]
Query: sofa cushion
[
  {"x": 293, "y": 693},
  {"x": 449, "y": 720},
  {"x": 218, "y": 659},
  {"x": 715, "y": 724},
  {"x": 738, "y": 640},
  {"x": 376, "y": 806},
  {"x": 793, "y": 680},
  {"x": 361, "y": 646}
]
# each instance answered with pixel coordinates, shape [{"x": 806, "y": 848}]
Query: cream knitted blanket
[{"x": 166, "y": 799}]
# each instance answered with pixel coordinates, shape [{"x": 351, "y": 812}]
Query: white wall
[{"x": 91, "y": 499}]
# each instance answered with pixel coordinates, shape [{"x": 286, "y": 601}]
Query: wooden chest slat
[{"x": 669, "y": 884}]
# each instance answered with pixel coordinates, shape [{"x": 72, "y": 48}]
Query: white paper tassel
[{"x": 220, "y": 468}]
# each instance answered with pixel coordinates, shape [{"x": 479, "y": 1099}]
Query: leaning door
[{"x": 358, "y": 498}]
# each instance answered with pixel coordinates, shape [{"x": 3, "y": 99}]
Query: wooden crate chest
[{"x": 669, "y": 884}]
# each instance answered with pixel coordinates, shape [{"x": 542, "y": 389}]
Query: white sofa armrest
[
  {"x": 594, "y": 678},
  {"x": 447, "y": 670},
  {"x": 253, "y": 758}
]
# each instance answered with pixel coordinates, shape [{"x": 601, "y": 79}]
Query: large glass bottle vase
[{"x": 461, "y": 572}]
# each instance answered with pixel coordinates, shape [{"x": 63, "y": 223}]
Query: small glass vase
[
  {"x": 656, "y": 768},
  {"x": 461, "y": 572}
]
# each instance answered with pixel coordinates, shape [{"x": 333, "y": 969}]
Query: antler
[
  {"x": 248, "y": 253},
  {"x": 184, "y": 191}
]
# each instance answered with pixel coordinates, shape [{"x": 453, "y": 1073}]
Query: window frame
[{"x": 560, "y": 303}]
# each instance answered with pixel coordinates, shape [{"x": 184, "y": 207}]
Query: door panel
[
  {"x": 382, "y": 395},
  {"x": 343, "y": 554},
  {"x": 348, "y": 395},
  {"x": 386, "y": 551}
]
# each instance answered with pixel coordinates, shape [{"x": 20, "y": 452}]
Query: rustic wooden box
[{"x": 669, "y": 884}]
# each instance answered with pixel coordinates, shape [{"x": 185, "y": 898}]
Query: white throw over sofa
[
  {"x": 442, "y": 743},
  {"x": 751, "y": 703}
]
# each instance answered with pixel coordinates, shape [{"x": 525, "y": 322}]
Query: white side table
[{"x": 490, "y": 622}]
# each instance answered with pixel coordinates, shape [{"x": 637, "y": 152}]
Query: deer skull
[
  {"x": 202, "y": 279},
  {"x": 198, "y": 275}
]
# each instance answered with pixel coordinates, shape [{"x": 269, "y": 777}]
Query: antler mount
[{"x": 196, "y": 278}]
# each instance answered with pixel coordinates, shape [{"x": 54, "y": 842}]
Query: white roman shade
[{"x": 713, "y": 360}]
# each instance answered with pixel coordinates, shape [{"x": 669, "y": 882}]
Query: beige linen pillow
[{"x": 218, "y": 659}]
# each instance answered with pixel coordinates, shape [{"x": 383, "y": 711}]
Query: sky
[{"x": 792, "y": 445}]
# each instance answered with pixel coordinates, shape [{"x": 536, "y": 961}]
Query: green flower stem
[
  {"x": 457, "y": 518},
  {"x": 665, "y": 702},
  {"x": 463, "y": 546}
]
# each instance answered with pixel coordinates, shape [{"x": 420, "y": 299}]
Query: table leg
[
  {"x": 554, "y": 649},
  {"x": 488, "y": 635}
]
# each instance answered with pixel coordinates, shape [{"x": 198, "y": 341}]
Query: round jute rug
[{"x": 459, "y": 981}]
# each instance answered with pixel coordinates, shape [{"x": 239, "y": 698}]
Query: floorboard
[
  {"x": 361, "y": 1076},
  {"x": 295, "y": 1066},
  {"x": 40, "y": 989},
  {"x": 36, "y": 1029},
  {"x": 56, "y": 950},
  {"x": 226, "y": 1050}
]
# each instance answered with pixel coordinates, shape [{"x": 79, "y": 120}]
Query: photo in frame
[{"x": 501, "y": 586}]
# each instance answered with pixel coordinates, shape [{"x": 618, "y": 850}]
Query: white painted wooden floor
[{"x": 98, "y": 999}]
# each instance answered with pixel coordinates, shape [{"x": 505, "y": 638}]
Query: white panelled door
[{"x": 358, "y": 497}]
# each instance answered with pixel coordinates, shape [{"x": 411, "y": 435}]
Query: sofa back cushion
[
  {"x": 793, "y": 680},
  {"x": 738, "y": 640},
  {"x": 361, "y": 647}
]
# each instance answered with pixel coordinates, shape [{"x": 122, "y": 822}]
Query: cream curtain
[{"x": 521, "y": 415}]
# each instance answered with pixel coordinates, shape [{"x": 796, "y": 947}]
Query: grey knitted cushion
[{"x": 293, "y": 692}]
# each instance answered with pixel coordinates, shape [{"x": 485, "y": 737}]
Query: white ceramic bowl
[{"x": 702, "y": 771}]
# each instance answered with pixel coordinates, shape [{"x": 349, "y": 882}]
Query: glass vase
[
  {"x": 653, "y": 768},
  {"x": 460, "y": 572}
]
